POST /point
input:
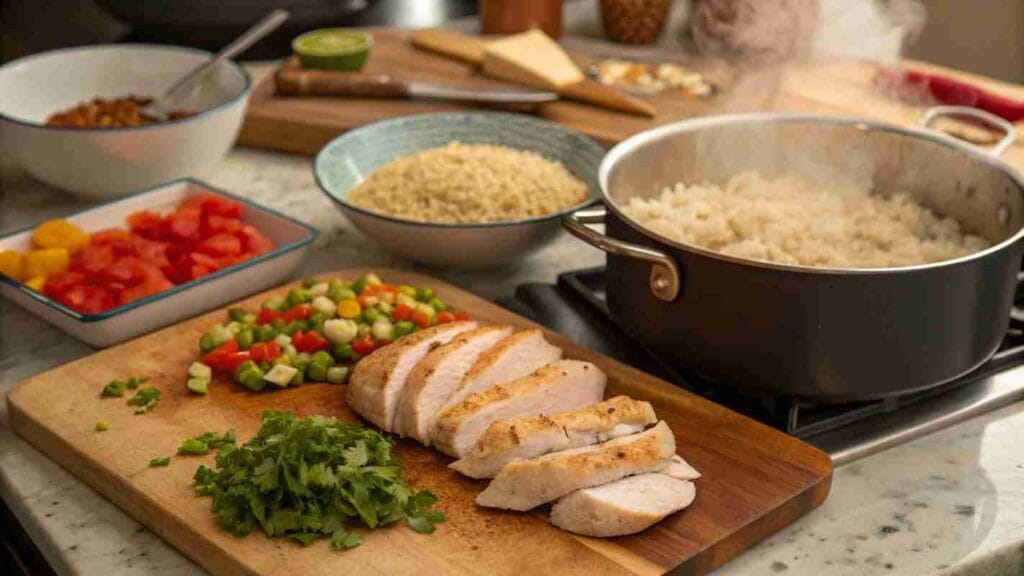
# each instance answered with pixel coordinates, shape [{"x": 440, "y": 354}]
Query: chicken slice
[
  {"x": 377, "y": 380},
  {"x": 622, "y": 507},
  {"x": 564, "y": 385},
  {"x": 437, "y": 376},
  {"x": 523, "y": 438},
  {"x": 526, "y": 484},
  {"x": 514, "y": 357}
]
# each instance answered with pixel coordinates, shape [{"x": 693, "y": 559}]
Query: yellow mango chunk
[
  {"x": 36, "y": 283},
  {"x": 12, "y": 264},
  {"x": 60, "y": 234},
  {"x": 47, "y": 261}
]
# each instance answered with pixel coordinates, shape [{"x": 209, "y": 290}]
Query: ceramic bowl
[
  {"x": 348, "y": 159},
  {"x": 110, "y": 162},
  {"x": 292, "y": 238}
]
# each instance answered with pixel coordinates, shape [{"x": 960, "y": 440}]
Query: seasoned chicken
[
  {"x": 622, "y": 507},
  {"x": 564, "y": 385},
  {"x": 514, "y": 357},
  {"x": 437, "y": 376},
  {"x": 523, "y": 438},
  {"x": 377, "y": 380},
  {"x": 525, "y": 484}
]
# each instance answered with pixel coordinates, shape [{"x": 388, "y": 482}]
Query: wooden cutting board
[
  {"x": 755, "y": 480},
  {"x": 845, "y": 88}
]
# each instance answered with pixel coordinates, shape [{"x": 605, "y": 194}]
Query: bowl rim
[
  {"x": 241, "y": 96},
  {"x": 313, "y": 233},
  {"x": 593, "y": 195}
]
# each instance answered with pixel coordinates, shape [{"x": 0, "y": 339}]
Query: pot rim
[{"x": 628, "y": 146}]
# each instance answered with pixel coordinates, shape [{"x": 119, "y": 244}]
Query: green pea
[
  {"x": 404, "y": 328},
  {"x": 339, "y": 293},
  {"x": 343, "y": 351},
  {"x": 244, "y": 339},
  {"x": 266, "y": 333},
  {"x": 437, "y": 304},
  {"x": 359, "y": 285},
  {"x": 298, "y": 296},
  {"x": 370, "y": 315},
  {"x": 424, "y": 294}
]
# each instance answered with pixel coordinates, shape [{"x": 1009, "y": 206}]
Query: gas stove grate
[{"x": 576, "y": 306}]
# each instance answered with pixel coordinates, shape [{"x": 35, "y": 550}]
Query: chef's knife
[
  {"x": 470, "y": 50},
  {"x": 297, "y": 82}
]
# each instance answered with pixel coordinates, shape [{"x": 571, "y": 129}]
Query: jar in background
[{"x": 512, "y": 16}]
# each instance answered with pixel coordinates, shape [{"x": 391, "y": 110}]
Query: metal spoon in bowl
[{"x": 161, "y": 107}]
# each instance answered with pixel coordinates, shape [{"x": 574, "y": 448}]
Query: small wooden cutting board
[{"x": 755, "y": 480}]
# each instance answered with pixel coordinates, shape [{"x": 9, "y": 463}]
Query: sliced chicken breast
[
  {"x": 523, "y": 438},
  {"x": 377, "y": 380},
  {"x": 434, "y": 379},
  {"x": 526, "y": 484},
  {"x": 681, "y": 469},
  {"x": 514, "y": 357},
  {"x": 564, "y": 385},
  {"x": 622, "y": 507}
]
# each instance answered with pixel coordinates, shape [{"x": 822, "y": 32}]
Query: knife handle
[
  {"x": 293, "y": 82},
  {"x": 449, "y": 43}
]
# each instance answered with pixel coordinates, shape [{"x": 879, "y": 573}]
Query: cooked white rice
[
  {"x": 469, "y": 183},
  {"x": 791, "y": 221}
]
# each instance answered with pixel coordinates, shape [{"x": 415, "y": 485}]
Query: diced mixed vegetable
[
  {"x": 99, "y": 271},
  {"x": 316, "y": 332}
]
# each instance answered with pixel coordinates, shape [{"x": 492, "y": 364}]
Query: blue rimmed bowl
[
  {"x": 292, "y": 239},
  {"x": 110, "y": 162},
  {"x": 347, "y": 160}
]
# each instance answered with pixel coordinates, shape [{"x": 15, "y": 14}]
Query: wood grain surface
[
  {"x": 755, "y": 479},
  {"x": 843, "y": 88}
]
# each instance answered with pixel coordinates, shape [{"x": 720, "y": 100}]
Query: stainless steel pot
[{"x": 827, "y": 334}]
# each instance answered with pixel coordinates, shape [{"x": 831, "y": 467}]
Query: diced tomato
[
  {"x": 153, "y": 282},
  {"x": 366, "y": 300},
  {"x": 128, "y": 270},
  {"x": 148, "y": 224},
  {"x": 267, "y": 316},
  {"x": 309, "y": 342},
  {"x": 402, "y": 312},
  {"x": 109, "y": 236},
  {"x": 151, "y": 252},
  {"x": 89, "y": 299},
  {"x": 220, "y": 245},
  {"x": 61, "y": 282},
  {"x": 264, "y": 351},
  {"x": 375, "y": 288},
  {"x": 300, "y": 312},
  {"x": 217, "y": 206},
  {"x": 214, "y": 224},
  {"x": 445, "y": 317},
  {"x": 254, "y": 240},
  {"x": 364, "y": 345},
  {"x": 185, "y": 227},
  {"x": 461, "y": 316},
  {"x": 420, "y": 318},
  {"x": 226, "y": 357},
  {"x": 93, "y": 259}
]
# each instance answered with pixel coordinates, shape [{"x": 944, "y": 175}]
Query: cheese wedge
[{"x": 530, "y": 58}]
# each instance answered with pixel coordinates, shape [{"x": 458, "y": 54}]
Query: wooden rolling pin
[{"x": 472, "y": 51}]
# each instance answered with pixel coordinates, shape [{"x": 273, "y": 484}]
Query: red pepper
[
  {"x": 959, "y": 93},
  {"x": 364, "y": 345},
  {"x": 264, "y": 351},
  {"x": 402, "y": 312},
  {"x": 214, "y": 358},
  {"x": 300, "y": 312},
  {"x": 421, "y": 318},
  {"x": 309, "y": 342},
  {"x": 267, "y": 316},
  {"x": 445, "y": 317},
  {"x": 461, "y": 316},
  {"x": 231, "y": 361}
]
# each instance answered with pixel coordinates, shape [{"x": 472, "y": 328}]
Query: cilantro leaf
[{"x": 145, "y": 399}]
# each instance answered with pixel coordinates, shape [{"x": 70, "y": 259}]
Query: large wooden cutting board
[
  {"x": 755, "y": 479},
  {"x": 845, "y": 88}
]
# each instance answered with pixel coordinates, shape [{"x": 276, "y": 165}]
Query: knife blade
[{"x": 297, "y": 82}]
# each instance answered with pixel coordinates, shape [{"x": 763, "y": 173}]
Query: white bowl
[
  {"x": 346, "y": 161},
  {"x": 292, "y": 238},
  {"x": 110, "y": 162}
]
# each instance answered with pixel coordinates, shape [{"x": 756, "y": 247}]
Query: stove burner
[{"x": 576, "y": 307}]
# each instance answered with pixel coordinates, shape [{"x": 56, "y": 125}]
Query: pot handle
[
  {"x": 664, "y": 280},
  {"x": 1016, "y": 313},
  {"x": 1009, "y": 132}
]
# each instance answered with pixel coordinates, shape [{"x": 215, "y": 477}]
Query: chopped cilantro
[
  {"x": 114, "y": 389},
  {"x": 205, "y": 442},
  {"x": 160, "y": 461},
  {"x": 145, "y": 399},
  {"x": 134, "y": 381},
  {"x": 312, "y": 477}
]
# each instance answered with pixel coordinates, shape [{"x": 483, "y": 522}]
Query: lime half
[{"x": 333, "y": 49}]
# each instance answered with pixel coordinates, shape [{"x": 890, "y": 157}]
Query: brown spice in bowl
[{"x": 114, "y": 113}]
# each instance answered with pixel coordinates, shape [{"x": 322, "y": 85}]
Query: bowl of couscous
[{"x": 463, "y": 189}]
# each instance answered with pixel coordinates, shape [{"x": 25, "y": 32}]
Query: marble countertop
[{"x": 949, "y": 503}]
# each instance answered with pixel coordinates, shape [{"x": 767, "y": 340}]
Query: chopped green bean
[{"x": 159, "y": 462}]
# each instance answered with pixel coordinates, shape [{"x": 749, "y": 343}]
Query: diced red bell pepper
[
  {"x": 267, "y": 316},
  {"x": 300, "y": 312},
  {"x": 421, "y": 318},
  {"x": 264, "y": 351},
  {"x": 309, "y": 342},
  {"x": 221, "y": 357},
  {"x": 445, "y": 317},
  {"x": 402, "y": 312},
  {"x": 220, "y": 245},
  {"x": 364, "y": 345}
]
